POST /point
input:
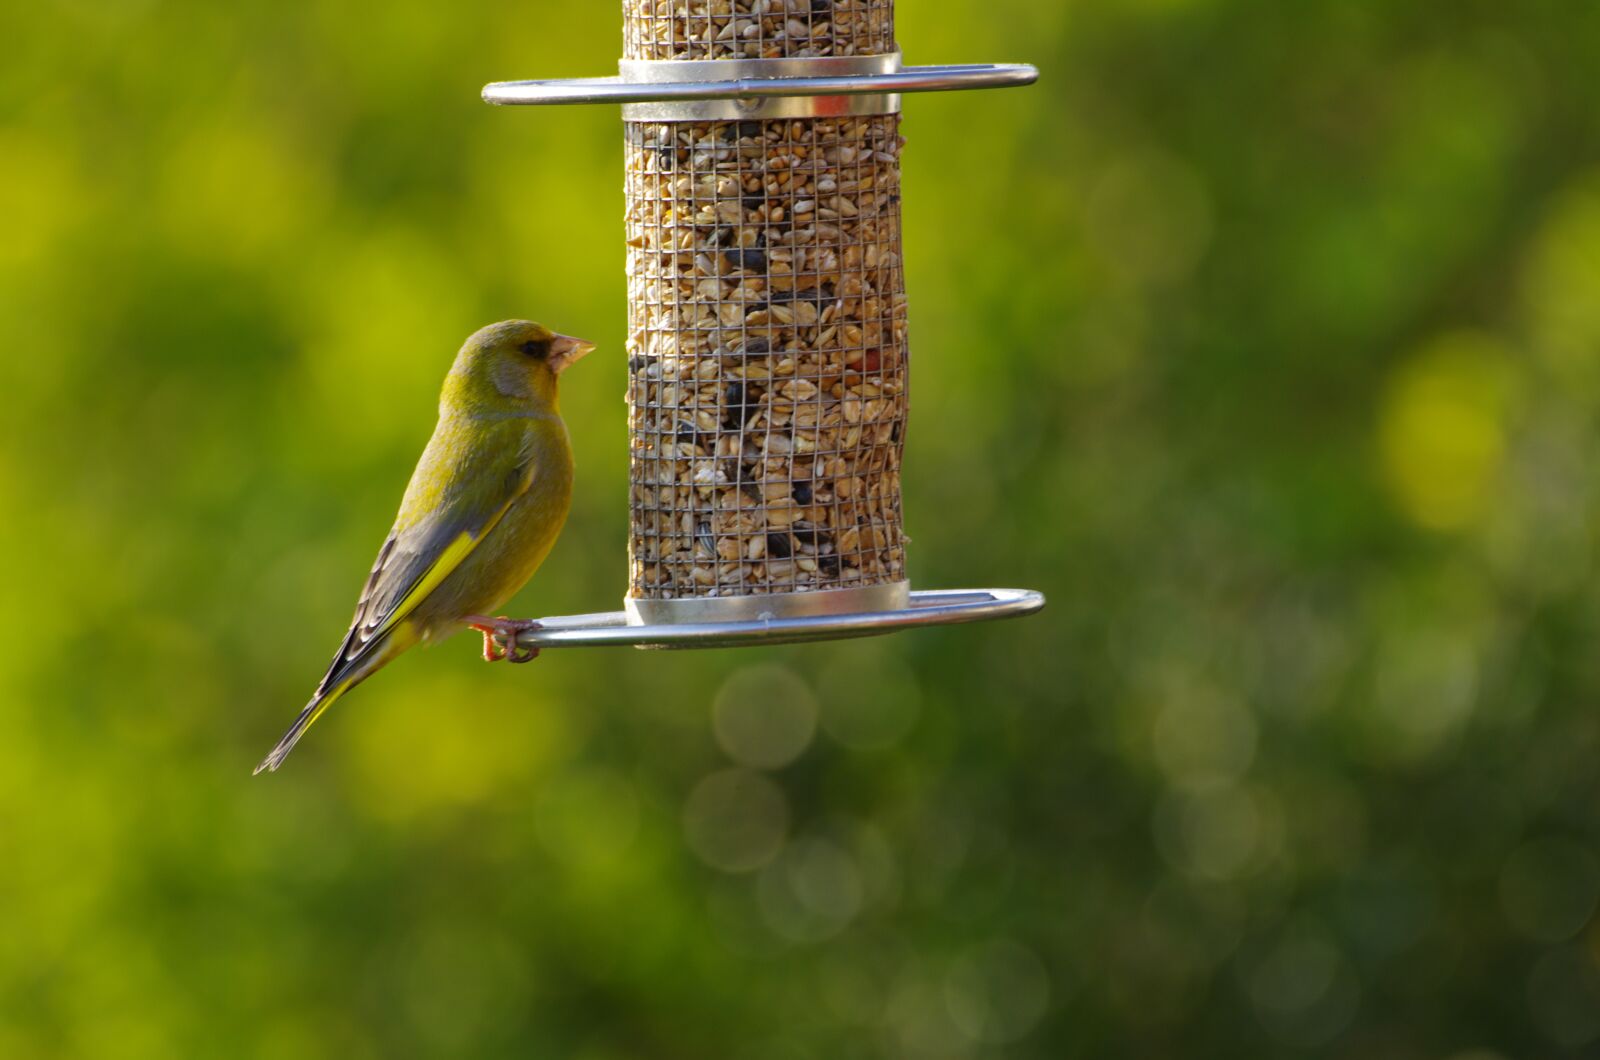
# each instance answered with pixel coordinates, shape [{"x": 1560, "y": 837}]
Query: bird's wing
[{"x": 463, "y": 492}]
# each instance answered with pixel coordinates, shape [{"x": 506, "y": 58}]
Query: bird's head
[{"x": 513, "y": 363}]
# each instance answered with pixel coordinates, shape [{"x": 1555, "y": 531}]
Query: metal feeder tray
[
  {"x": 700, "y": 90},
  {"x": 947, "y": 607}
]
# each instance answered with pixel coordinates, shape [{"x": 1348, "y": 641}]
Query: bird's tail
[{"x": 319, "y": 703}]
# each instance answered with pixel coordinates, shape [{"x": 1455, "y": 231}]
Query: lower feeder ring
[{"x": 928, "y": 608}]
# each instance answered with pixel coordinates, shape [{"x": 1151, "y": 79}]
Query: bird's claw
[{"x": 500, "y": 638}]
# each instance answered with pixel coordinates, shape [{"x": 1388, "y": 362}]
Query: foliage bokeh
[{"x": 1265, "y": 338}]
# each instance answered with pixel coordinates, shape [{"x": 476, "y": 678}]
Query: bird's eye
[{"x": 539, "y": 348}]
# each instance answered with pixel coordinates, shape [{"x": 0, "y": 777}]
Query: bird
[{"x": 485, "y": 505}]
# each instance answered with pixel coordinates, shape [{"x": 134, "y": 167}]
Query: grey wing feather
[{"x": 356, "y": 645}]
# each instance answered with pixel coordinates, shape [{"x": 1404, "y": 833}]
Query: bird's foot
[{"x": 500, "y": 638}]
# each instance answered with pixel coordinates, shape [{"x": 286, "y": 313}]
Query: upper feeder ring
[{"x": 712, "y": 89}]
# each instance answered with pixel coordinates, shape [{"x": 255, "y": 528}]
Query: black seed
[
  {"x": 754, "y": 199},
  {"x": 778, "y": 545},
  {"x": 666, "y": 157},
  {"x": 747, "y": 258},
  {"x": 719, "y": 237},
  {"x": 810, "y": 535},
  {"x": 741, "y": 396},
  {"x": 733, "y": 402},
  {"x": 637, "y": 362},
  {"x": 820, "y": 295},
  {"x": 702, "y": 533},
  {"x": 821, "y": 7},
  {"x": 756, "y": 348},
  {"x": 753, "y": 491},
  {"x": 686, "y": 431},
  {"x": 750, "y": 128},
  {"x": 894, "y": 432},
  {"x": 802, "y": 493},
  {"x": 740, "y": 405},
  {"x": 829, "y": 565},
  {"x": 730, "y": 470}
]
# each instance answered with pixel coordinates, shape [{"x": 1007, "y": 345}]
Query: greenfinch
[{"x": 484, "y": 507}]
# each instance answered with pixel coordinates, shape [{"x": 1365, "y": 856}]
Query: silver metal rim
[
  {"x": 762, "y": 109},
  {"x": 895, "y": 596},
  {"x": 750, "y": 87},
  {"x": 695, "y": 71},
  {"x": 925, "y": 608}
]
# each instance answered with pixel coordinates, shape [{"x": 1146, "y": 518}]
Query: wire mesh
[
  {"x": 756, "y": 29},
  {"x": 767, "y": 321},
  {"x": 767, "y": 342}
]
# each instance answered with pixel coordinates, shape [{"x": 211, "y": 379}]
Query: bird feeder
[{"x": 768, "y": 355}]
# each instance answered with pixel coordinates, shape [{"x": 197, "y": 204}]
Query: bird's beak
[{"x": 564, "y": 349}]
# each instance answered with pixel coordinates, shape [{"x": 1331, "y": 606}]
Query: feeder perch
[{"x": 767, "y": 348}]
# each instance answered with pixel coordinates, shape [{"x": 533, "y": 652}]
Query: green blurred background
[{"x": 1263, "y": 337}]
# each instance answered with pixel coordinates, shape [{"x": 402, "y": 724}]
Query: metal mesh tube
[
  {"x": 767, "y": 327},
  {"x": 756, "y": 29}
]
